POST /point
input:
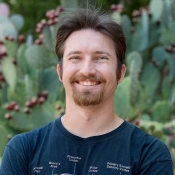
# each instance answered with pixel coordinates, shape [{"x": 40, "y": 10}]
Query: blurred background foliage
[{"x": 33, "y": 10}]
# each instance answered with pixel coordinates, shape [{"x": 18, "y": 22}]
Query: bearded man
[{"x": 89, "y": 139}]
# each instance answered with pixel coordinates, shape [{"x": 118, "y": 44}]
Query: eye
[
  {"x": 74, "y": 58},
  {"x": 102, "y": 58}
]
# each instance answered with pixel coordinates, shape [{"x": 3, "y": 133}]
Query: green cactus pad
[
  {"x": 51, "y": 83},
  {"x": 140, "y": 36},
  {"x": 40, "y": 57},
  {"x": 173, "y": 95},
  {"x": 69, "y": 4},
  {"x": 126, "y": 25},
  {"x": 136, "y": 57},
  {"x": 3, "y": 138},
  {"x": 154, "y": 34},
  {"x": 172, "y": 8},
  {"x": 8, "y": 29},
  {"x": 156, "y": 8},
  {"x": 152, "y": 127},
  {"x": 171, "y": 63},
  {"x": 4, "y": 91},
  {"x": 10, "y": 72},
  {"x": 161, "y": 111},
  {"x": 117, "y": 17},
  {"x": 167, "y": 35},
  {"x": 17, "y": 20},
  {"x": 143, "y": 30},
  {"x": 158, "y": 55},
  {"x": 21, "y": 59},
  {"x": 47, "y": 38},
  {"x": 42, "y": 115},
  {"x": 3, "y": 19},
  {"x": 166, "y": 14},
  {"x": 11, "y": 48},
  {"x": 166, "y": 88},
  {"x": 122, "y": 104},
  {"x": 135, "y": 85},
  {"x": 146, "y": 117},
  {"x": 20, "y": 94},
  {"x": 150, "y": 78},
  {"x": 21, "y": 121}
]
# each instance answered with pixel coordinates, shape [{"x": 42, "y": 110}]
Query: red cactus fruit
[
  {"x": 8, "y": 116},
  {"x": 21, "y": 39},
  {"x": 26, "y": 110},
  {"x": 41, "y": 100}
]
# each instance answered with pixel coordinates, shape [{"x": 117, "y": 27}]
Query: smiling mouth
[{"x": 88, "y": 83}]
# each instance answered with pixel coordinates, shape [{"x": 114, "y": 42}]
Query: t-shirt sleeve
[
  {"x": 158, "y": 168},
  {"x": 13, "y": 163},
  {"x": 156, "y": 158}
]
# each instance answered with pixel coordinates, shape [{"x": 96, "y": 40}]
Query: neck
[{"x": 90, "y": 121}]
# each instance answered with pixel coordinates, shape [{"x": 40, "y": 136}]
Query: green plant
[
  {"x": 147, "y": 95},
  {"x": 31, "y": 94}
]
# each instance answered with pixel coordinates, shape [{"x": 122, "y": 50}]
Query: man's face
[{"x": 89, "y": 70}]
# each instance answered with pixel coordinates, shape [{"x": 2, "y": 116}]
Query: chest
[{"x": 65, "y": 158}]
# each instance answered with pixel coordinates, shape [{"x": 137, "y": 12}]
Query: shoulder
[
  {"x": 148, "y": 149},
  {"x": 147, "y": 140},
  {"x": 25, "y": 142}
]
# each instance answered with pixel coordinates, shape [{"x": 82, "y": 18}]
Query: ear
[
  {"x": 122, "y": 75},
  {"x": 59, "y": 72}
]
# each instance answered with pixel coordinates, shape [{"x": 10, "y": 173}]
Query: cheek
[
  {"x": 110, "y": 71},
  {"x": 67, "y": 73}
]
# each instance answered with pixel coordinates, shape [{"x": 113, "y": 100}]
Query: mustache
[{"x": 82, "y": 77}]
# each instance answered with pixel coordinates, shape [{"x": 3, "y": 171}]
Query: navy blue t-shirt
[{"x": 52, "y": 150}]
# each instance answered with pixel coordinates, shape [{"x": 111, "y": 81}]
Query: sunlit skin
[{"x": 88, "y": 53}]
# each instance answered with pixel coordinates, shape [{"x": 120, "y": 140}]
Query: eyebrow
[
  {"x": 78, "y": 52},
  {"x": 73, "y": 52},
  {"x": 102, "y": 52}
]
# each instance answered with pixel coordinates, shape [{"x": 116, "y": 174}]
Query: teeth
[{"x": 87, "y": 83}]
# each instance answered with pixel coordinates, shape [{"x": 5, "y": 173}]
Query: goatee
[{"x": 87, "y": 97}]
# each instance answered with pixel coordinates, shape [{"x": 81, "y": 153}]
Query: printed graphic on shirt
[
  {"x": 93, "y": 169},
  {"x": 65, "y": 173},
  {"x": 73, "y": 158},
  {"x": 118, "y": 167},
  {"x": 37, "y": 169},
  {"x": 56, "y": 167},
  {"x": 54, "y": 164}
]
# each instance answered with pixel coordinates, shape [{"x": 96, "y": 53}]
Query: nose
[{"x": 88, "y": 67}]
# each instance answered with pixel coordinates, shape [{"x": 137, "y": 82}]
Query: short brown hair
[{"x": 79, "y": 19}]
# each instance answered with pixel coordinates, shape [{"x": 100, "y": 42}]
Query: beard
[{"x": 87, "y": 97}]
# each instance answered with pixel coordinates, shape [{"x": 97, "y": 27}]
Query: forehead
[{"x": 87, "y": 41}]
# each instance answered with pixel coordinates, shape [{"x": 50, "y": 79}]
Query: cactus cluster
[{"x": 31, "y": 94}]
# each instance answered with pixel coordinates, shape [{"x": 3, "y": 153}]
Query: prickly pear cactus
[{"x": 31, "y": 94}]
